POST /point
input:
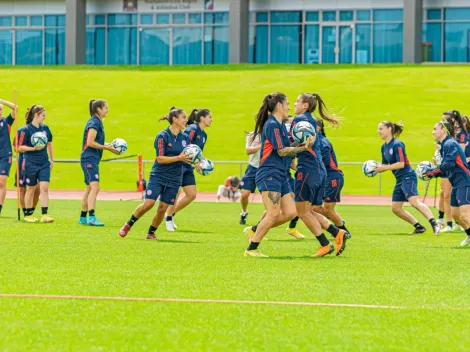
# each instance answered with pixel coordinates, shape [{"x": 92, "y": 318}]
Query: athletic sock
[
  {"x": 1, "y": 206},
  {"x": 83, "y": 214},
  {"x": 132, "y": 221},
  {"x": 342, "y": 227},
  {"x": 24, "y": 211},
  {"x": 323, "y": 240},
  {"x": 174, "y": 214},
  {"x": 169, "y": 218},
  {"x": 441, "y": 215},
  {"x": 244, "y": 213},
  {"x": 449, "y": 223},
  {"x": 293, "y": 222},
  {"x": 467, "y": 231},
  {"x": 432, "y": 222},
  {"x": 253, "y": 246},
  {"x": 254, "y": 227},
  {"x": 418, "y": 225},
  {"x": 91, "y": 212},
  {"x": 152, "y": 230},
  {"x": 333, "y": 230},
  {"x": 44, "y": 210},
  {"x": 29, "y": 212}
]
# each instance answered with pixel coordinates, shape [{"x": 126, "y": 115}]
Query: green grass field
[
  {"x": 425, "y": 275},
  {"x": 139, "y": 96}
]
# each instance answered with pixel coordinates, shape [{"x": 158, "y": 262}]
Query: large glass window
[
  {"x": 286, "y": 17},
  {"x": 95, "y": 46},
  {"x": 457, "y": 14},
  {"x": 6, "y": 47},
  {"x": 122, "y": 19},
  {"x": 285, "y": 44},
  {"x": 329, "y": 44},
  {"x": 345, "y": 44},
  {"x": 122, "y": 46},
  {"x": 312, "y": 16},
  {"x": 388, "y": 42},
  {"x": 5, "y": 21},
  {"x": 363, "y": 15},
  {"x": 21, "y": 21},
  {"x": 187, "y": 46},
  {"x": 346, "y": 16},
  {"x": 36, "y": 20},
  {"x": 363, "y": 44},
  {"x": 433, "y": 14},
  {"x": 29, "y": 47},
  {"x": 216, "y": 18},
  {"x": 216, "y": 44},
  {"x": 329, "y": 16},
  {"x": 312, "y": 44},
  {"x": 388, "y": 15},
  {"x": 259, "y": 44},
  {"x": 55, "y": 46},
  {"x": 179, "y": 18},
  {"x": 432, "y": 35},
  {"x": 155, "y": 46},
  {"x": 457, "y": 42},
  {"x": 146, "y": 19},
  {"x": 163, "y": 18}
]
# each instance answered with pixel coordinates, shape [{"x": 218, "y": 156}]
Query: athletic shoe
[
  {"x": 30, "y": 219},
  {"x": 249, "y": 232},
  {"x": 151, "y": 236},
  {"x": 322, "y": 251},
  {"x": 93, "y": 221},
  {"x": 465, "y": 242},
  {"x": 446, "y": 229},
  {"x": 295, "y": 233},
  {"x": 82, "y": 221},
  {"x": 347, "y": 236},
  {"x": 169, "y": 226},
  {"x": 124, "y": 230},
  {"x": 418, "y": 230},
  {"x": 254, "y": 253},
  {"x": 243, "y": 218},
  {"x": 173, "y": 221},
  {"x": 436, "y": 229},
  {"x": 174, "y": 227},
  {"x": 440, "y": 222},
  {"x": 340, "y": 242},
  {"x": 46, "y": 219},
  {"x": 457, "y": 227}
]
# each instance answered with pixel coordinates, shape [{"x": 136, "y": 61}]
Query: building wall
[{"x": 191, "y": 32}]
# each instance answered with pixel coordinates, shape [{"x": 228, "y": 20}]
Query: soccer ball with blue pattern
[
  {"x": 301, "y": 131},
  {"x": 423, "y": 168},
  {"x": 369, "y": 168},
  {"x": 39, "y": 139},
  {"x": 206, "y": 167},
  {"x": 194, "y": 153},
  {"x": 120, "y": 145}
]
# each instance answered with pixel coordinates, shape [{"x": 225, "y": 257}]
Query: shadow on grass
[
  {"x": 394, "y": 234},
  {"x": 195, "y": 232},
  {"x": 303, "y": 258},
  {"x": 163, "y": 240}
]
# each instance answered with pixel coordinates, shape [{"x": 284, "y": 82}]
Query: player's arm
[
  {"x": 92, "y": 143},
  {"x": 288, "y": 151},
  {"x": 252, "y": 150},
  {"x": 23, "y": 148},
  {"x": 12, "y": 106},
  {"x": 50, "y": 151},
  {"x": 450, "y": 158},
  {"x": 400, "y": 164},
  {"x": 252, "y": 146}
]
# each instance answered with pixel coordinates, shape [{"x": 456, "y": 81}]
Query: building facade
[{"x": 178, "y": 32}]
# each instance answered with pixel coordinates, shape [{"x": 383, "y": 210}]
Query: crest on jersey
[
  {"x": 391, "y": 151},
  {"x": 183, "y": 143}
]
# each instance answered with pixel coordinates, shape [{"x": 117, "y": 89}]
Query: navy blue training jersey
[
  {"x": 273, "y": 137},
  {"x": 167, "y": 144},
  {"x": 394, "y": 152},
  {"x": 461, "y": 137},
  {"x": 467, "y": 146},
  {"x": 310, "y": 161},
  {"x": 196, "y": 135},
  {"x": 329, "y": 158},
  {"x": 88, "y": 153},
  {"x": 37, "y": 157},
  {"x": 454, "y": 166},
  {"x": 5, "y": 145}
]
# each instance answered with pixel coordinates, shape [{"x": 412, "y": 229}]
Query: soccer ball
[
  {"x": 207, "y": 166},
  {"x": 423, "y": 168},
  {"x": 194, "y": 152},
  {"x": 437, "y": 158},
  {"x": 302, "y": 131},
  {"x": 369, "y": 168},
  {"x": 38, "y": 139},
  {"x": 120, "y": 145}
]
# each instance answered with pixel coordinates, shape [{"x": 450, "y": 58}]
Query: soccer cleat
[
  {"x": 436, "y": 229},
  {"x": 243, "y": 218},
  {"x": 254, "y": 253},
  {"x": 295, "y": 233},
  {"x": 347, "y": 236},
  {"x": 440, "y": 222},
  {"x": 169, "y": 226},
  {"x": 82, "y": 221},
  {"x": 340, "y": 242},
  {"x": 465, "y": 242},
  {"x": 446, "y": 229},
  {"x": 457, "y": 227},
  {"x": 93, "y": 221},
  {"x": 173, "y": 221},
  {"x": 322, "y": 251},
  {"x": 124, "y": 230},
  {"x": 249, "y": 232},
  {"x": 418, "y": 230},
  {"x": 46, "y": 219},
  {"x": 152, "y": 236},
  {"x": 30, "y": 219}
]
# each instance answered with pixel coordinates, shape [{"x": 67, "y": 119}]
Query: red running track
[{"x": 208, "y": 197}]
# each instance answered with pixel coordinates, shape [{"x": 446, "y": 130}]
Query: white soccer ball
[
  {"x": 39, "y": 139},
  {"x": 120, "y": 145},
  {"x": 302, "y": 131},
  {"x": 207, "y": 166},
  {"x": 423, "y": 168},
  {"x": 194, "y": 152},
  {"x": 369, "y": 168}
]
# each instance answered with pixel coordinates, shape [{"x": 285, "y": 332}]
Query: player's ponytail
[
  {"x": 321, "y": 125},
  {"x": 269, "y": 104},
  {"x": 466, "y": 123},
  {"x": 397, "y": 128},
  {"x": 315, "y": 102},
  {"x": 196, "y": 114},
  {"x": 94, "y": 105},
  {"x": 174, "y": 112},
  {"x": 32, "y": 111},
  {"x": 457, "y": 120}
]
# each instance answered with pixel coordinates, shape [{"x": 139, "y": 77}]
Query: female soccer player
[
  {"x": 167, "y": 172},
  {"x": 460, "y": 135},
  {"x": 271, "y": 177},
  {"x": 93, "y": 144},
  {"x": 310, "y": 178},
  {"x": 198, "y": 121},
  {"x": 455, "y": 167},
  {"x": 334, "y": 179},
  {"x": 36, "y": 164},
  {"x": 248, "y": 184},
  {"x": 6, "y": 153},
  {"x": 406, "y": 189}
]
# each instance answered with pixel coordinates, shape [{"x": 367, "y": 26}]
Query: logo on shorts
[
  {"x": 21, "y": 182},
  {"x": 149, "y": 192},
  {"x": 173, "y": 200},
  {"x": 28, "y": 180},
  {"x": 3, "y": 172},
  {"x": 327, "y": 198},
  {"x": 97, "y": 176},
  {"x": 391, "y": 151},
  {"x": 459, "y": 201},
  {"x": 183, "y": 143},
  {"x": 170, "y": 145}
]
